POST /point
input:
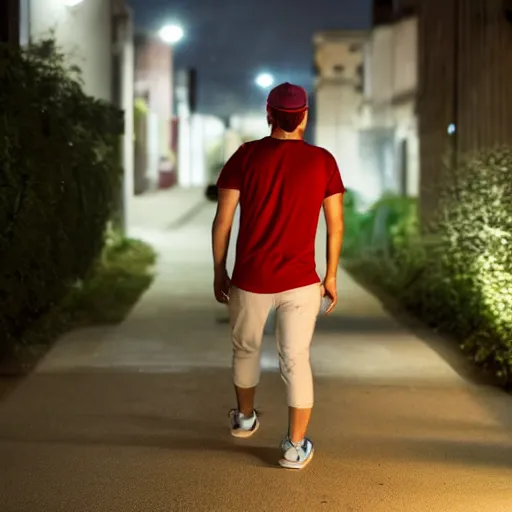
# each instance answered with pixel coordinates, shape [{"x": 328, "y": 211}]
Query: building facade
[
  {"x": 95, "y": 36},
  {"x": 366, "y": 93},
  {"x": 465, "y": 75},
  {"x": 388, "y": 129},
  {"x": 338, "y": 60},
  {"x": 154, "y": 86},
  {"x": 82, "y": 31}
]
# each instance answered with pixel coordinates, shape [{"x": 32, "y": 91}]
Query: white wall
[
  {"x": 250, "y": 126},
  {"x": 205, "y": 131},
  {"x": 388, "y": 117},
  {"x": 232, "y": 141},
  {"x": 339, "y": 49},
  {"x": 197, "y": 133},
  {"x": 405, "y": 84},
  {"x": 382, "y": 68},
  {"x": 154, "y": 78},
  {"x": 337, "y": 109},
  {"x": 339, "y": 99},
  {"x": 405, "y": 56},
  {"x": 84, "y": 34}
]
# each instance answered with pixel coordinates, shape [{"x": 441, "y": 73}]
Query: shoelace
[
  {"x": 236, "y": 414},
  {"x": 298, "y": 446}
]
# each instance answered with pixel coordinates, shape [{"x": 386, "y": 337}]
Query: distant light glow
[
  {"x": 171, "y": 34},
  {"x": 72, "y": 3},
  {"x": 452, "y": 129},
  {"x": 264, "y": 80}
]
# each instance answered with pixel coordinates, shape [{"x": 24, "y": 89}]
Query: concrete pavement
[{"x": 133, "y": 418}]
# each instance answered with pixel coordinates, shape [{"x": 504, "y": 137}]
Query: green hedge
[
  {"x": 382, "y": 232},
  {"x": 457, "y": 276},
  {"x": 59, "y": 180},
  {"x": 471, "y": 256}
]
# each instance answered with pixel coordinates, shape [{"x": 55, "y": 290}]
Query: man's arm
[
  {"x": 333, "y": 211},
  {"x": 221, "y": 229}
]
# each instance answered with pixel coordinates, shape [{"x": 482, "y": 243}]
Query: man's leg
[
  {"x": 297, "y": 312},
  {"x": 248, "y": 315}
]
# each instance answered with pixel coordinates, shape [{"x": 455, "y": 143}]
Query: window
[
  {"x": 354, "y": 48},
  {"x": 338, "y": 69}
]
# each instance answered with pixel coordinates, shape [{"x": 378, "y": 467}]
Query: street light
[
  {"x": 171, "y": 34},
  {"x": 264, "y": 80}
]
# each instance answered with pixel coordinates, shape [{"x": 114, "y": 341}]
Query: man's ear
[{"x": 270, "y": 121}]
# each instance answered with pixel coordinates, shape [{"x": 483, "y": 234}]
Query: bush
[
  {"x": 353, "y": 220},
  {"x": 472, "y": 255},
  {"x": 389, "y": 243},
  {"x": 59, "y": 180},
  {"x": 113, "y": 286},
  {"x": 458, "y": 278}
]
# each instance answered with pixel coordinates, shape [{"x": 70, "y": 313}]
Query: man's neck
[{"x": 281, "y": 134}]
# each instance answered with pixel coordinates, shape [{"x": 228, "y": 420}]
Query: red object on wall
[
  {"x": 167, "y": 172},
  {"x": 167, "y": 179},
  {"x": 174, "y": 134}
]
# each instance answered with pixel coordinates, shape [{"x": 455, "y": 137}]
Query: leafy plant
[
  {"x": 457, "y": 276},
  {"x": 474, "y": 229},
  {"x": 59, "y": 183}
]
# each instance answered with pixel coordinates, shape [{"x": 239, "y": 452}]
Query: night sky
[{"x": 231, "y": 41}]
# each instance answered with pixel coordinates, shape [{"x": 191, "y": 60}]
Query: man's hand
[
  {"x": 221, "y": 286},
  {"x": 221, "y": 231},
  {"x": 330, "y": 290}
]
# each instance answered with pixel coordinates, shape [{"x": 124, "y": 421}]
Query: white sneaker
[
  {"x": 242, "y": 426},
  {"x": 296, "y": 455}
]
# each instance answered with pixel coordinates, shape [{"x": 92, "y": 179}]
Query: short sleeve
[
  {"x": 334, "y": 182},
  {"x": 231, "y": 175}
]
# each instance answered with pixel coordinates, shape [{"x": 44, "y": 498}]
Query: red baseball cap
[{"x": 288, "y": 98}]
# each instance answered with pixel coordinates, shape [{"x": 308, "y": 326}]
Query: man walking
[{"x": 281, "y": 184}]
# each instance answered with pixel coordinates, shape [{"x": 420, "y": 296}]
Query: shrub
[
  {"x": 473, "y": 256},
  {"x": 458, "y": 278},
  {"x": 389, "y": 243},
  {"x": 114, "y": 285},
  {"x": 59, "y": 178},
  {"x": 353, "y": 220}
]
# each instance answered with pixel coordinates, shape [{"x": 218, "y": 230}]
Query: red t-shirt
[{"x": 282, "y": 185}]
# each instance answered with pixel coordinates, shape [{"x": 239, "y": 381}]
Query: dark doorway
[{"x": 9, "y": 21}]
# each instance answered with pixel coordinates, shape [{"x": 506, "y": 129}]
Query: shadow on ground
[
  {"x": 447, "y": 349},
  {"x": 188, "y": 216},
  {"x": 160, "y": 441},
  {"x": 188, "y": 411}
]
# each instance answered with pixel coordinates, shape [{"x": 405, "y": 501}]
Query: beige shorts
[{"x": 296, "y": 314}]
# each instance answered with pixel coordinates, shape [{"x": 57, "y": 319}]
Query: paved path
[{"x": 133, "y": 418}]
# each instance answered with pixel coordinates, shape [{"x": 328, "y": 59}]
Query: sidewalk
[
  {"x": 134, "y": 417},
  {"x": 164, "y": 209}
]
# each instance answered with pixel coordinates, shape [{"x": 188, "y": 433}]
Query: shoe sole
[
  {"x": 294, "y": 466},
  {"x": 245, "y": 434}
]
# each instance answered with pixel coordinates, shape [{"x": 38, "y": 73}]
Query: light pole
[
  {"x": 264, "y": 80},
  {"x": 171, "y": 34}
]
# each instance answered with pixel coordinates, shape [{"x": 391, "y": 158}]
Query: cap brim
[{"x": 289, "y": 110}]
